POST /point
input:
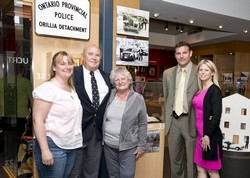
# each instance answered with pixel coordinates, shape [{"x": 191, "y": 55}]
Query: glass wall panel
[{"x": 15, "y": 88}]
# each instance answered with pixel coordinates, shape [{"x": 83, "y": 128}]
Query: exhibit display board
[{"x": 151, "y": 163}]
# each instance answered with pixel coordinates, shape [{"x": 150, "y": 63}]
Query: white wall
[{"x": 225, "y": 7}]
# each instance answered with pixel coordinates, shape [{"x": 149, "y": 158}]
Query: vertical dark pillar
[
  {"x": 106, "y": 45},
  {"x": 106, "y": 33}
]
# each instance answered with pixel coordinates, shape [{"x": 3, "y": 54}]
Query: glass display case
[{"x": 153, "y": 95}]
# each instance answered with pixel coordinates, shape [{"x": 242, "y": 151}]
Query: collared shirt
[
  {"x": 101, "y": 84},
  {"x": 188, "y": 69}
]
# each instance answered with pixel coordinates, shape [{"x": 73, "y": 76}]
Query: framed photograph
[
  {"x": 152, "y": 71},
  {"x": 227, "y": 77},
  {"x": 133, "y": 22},
  {"x": 132, "y": 52},
  {"x": 153, "y": 141},
  {"x": 139, "y": 84},
  {"x": 244, "y": 76}
]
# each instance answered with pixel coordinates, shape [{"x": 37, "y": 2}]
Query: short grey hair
[{"x": 120, "y": 70}]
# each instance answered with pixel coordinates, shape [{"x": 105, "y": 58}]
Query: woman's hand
[
  {"x": 138, "y": 153},
  {"x": 47, "y": 158},
  {"x": 205, "y": 143}
]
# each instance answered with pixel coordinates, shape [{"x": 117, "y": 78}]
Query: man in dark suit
[
  {"x": 179, "y": 86},
  {"x": 88, "y": 158}
]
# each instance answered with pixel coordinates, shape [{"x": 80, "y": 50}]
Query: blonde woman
[{"x": 208, "y": 106}]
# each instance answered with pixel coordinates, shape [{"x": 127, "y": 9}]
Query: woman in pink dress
[{"x": 208, "y": 106}]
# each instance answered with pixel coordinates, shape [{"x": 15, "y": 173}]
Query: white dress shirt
[{"x": 101, "y": 84}]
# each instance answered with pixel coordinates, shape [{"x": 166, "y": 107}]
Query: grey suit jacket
[{"x": 169, "y": 78}]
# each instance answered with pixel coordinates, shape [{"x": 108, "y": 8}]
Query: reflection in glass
[{"x": 15, "y": 87}]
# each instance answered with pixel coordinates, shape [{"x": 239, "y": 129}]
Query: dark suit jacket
[
  {"x": 212, "y": 108},
  {"x": 91, "y": 120}
]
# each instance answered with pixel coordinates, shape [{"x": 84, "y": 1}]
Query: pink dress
[{"x": 198, "y": 106}]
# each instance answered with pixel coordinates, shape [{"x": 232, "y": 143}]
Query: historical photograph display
[
  {"x": 131, "y": 52},
  {"x": 244, "y": 76},
  {"x": 227, "y": 77},
  {"x": 132, "y": 22},
  {"x": 153, "y": 141}
]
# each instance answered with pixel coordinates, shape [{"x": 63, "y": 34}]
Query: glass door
[{"x": 15, "y": 88}]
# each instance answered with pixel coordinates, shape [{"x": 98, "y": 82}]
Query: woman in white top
[{"x": 57, "y": 114}]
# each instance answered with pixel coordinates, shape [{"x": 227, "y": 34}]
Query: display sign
[{"x": 64, "y": 18}]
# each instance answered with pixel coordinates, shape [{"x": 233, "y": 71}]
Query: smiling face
[
  {"x": 63, "y": 67},
  {"x": 183, "y": 55},
  {"x": 205, "y": 73},
  {"x": 122, "y": 82},
  {"x": 91, "y": 57}
]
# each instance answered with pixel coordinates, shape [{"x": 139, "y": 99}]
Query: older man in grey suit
[{"x": 179, "y": 86}]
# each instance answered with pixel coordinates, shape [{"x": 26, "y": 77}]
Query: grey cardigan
[{"x": 133, "y": 131}]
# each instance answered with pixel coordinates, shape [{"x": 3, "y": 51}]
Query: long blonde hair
[{"x": 213, "y": 68}]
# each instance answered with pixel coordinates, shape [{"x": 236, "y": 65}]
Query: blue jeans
[{"x": 63, "y": 161}]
